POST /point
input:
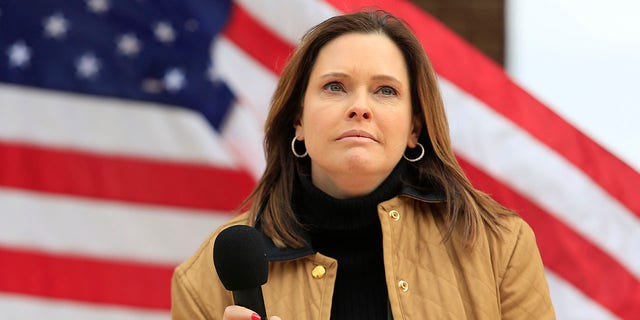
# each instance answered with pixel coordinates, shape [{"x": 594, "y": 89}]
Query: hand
[{"x": 241, "y": 313}]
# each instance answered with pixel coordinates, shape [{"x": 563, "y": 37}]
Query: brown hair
[{"x": 271, "y": 199}]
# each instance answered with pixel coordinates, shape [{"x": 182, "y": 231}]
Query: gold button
[
  {"x": 394, "y": 214},
  {"x": 403, "y": 285},
  {"x": 318, "y": 272}
]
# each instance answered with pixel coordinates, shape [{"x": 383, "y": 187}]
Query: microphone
[{"x": 241, "y": 262}]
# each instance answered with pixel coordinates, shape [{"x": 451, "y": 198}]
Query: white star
[
  {"x": 174, "y": 80},
  {"x": 98, "y": 6},
  {"x": 19, "y": 55},
  {"x": 56, "y": 26},
  {"x": 128, "y": 44},
  {"x": 164, "y": 32},
  {"x": 87, "y": 66}
]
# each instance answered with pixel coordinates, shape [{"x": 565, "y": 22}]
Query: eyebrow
[
  {"x": 375, "y": 77},
  {"x": 334, "y": 75}
]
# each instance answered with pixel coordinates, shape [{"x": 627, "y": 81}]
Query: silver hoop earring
[
  {"x": 419, "y": 157},
  {"x": 293, "y": 149}
]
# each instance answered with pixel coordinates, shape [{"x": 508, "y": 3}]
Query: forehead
[{"x": 362, "y": 52}]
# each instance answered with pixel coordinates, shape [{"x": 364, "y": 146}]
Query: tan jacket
[{"x": 426, "y": 278}]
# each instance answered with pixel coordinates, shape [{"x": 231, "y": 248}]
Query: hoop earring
[
  {"x": 419, "y": 157},
  {"x": 293, "y": 149}
]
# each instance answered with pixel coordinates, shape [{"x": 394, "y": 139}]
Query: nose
[{"x": 359, "y": 109}]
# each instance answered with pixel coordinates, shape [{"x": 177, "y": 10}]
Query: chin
[
  {"x": 364, "y": 164},
  {"x": 358, "y": 160}
]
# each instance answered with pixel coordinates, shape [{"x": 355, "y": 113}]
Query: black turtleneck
[{"x": 348, "y": 230}]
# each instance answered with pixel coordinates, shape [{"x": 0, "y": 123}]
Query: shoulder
[
  {"x": 513, "y": 228},
  {"x": 513, "y": 245},
  {"x": 515, "y": 231}
]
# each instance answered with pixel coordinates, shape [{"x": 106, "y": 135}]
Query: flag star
[
  {"x": 19, "y": 54},
  {"x": 87, "y": 66},
  {"x": 128, "y": 44},
  {"x": 174, "y": 80},
  {"x": 164, "y": 32},
  {"x": 56, "y": 26},
  {"x": 98, "y": 6}
]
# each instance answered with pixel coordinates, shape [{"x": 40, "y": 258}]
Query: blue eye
[
  {"x": 388, "y": 91},
  {"x": 334, "y": 87}
]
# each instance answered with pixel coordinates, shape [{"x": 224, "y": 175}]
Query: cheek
[
  {"x": 317, "y": 120},
  {"x": 307, "y": 129},
  {"x": 397, "y": 127}
]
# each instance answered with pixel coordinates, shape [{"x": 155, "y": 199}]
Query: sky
[{"x": 582, "y": 59}]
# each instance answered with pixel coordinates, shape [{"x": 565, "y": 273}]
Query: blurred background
[
  {"x": 130, "y": 130},
  {"x": 580, "y": 58}
]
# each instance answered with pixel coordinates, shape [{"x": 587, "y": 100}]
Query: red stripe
[
  {"x": 122, "y": 178},
  {"x": 260, "y": 43},
  {"x": 470, "y": 70},
  {"x": 567, "y": 253},
  {"x": 85, "y": 279}
]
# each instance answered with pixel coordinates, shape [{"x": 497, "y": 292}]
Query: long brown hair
[{"x": 271, "y": 199}]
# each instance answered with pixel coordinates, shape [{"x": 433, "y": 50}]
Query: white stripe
[
  {"x": 289, "y": 19},
  {"x": 24, "y": 307},
  {"x": 251, "y": 82},
  {"x": 507, "y": 152},
  {"x": 571, "y": 304},
  {"x": 244, "y": 139},
  {"x": 107, "y": 125},
  {"x": 243, "y": 129},
  {"x": 104, "y": 229}
]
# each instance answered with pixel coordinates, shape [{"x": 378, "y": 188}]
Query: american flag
[{"x": 129, "y": 130}]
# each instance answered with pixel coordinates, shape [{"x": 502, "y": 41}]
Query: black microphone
[{"x": 240, "y": 259}]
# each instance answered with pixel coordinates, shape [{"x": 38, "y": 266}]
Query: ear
[
  {"x": 416, "y": 127},
  {"x": 297, "y": 125}
]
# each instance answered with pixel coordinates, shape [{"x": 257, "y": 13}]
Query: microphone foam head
[{"x": 239, "y": 255}]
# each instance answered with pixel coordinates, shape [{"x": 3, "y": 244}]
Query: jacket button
[
  {"x": 403, "y": 285},
  {"x": 394, "y": 214},
  {"x": 318, "y": 272}
]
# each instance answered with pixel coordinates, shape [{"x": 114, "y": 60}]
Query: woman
[{"x": 368, "y": 213}]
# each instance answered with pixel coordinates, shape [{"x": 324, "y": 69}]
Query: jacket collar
[{"x": 283, "y": 254}]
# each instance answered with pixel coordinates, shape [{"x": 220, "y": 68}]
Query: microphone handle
[{"x": 251, "y": 298}]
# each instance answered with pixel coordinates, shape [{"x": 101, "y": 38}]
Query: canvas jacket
[{"x": 500, "y": 278}]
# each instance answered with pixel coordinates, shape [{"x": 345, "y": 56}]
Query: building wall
[{"x": 481, "y": 22}]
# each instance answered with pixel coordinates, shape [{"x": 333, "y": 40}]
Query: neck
[{"x": 317, "y": 208}]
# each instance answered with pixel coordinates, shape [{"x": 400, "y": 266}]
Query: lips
[{"x": 356, "y": 134}]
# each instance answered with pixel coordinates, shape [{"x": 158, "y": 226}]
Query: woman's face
[{"x": 356, "y": 119}]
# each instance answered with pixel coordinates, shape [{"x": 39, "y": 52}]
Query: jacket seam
[
  {"x": 314, "y": 261},
  {"x": 394, "y": 267},
  {"x": 324, "y": 297},
  {"x": 512, "y": 249}
]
